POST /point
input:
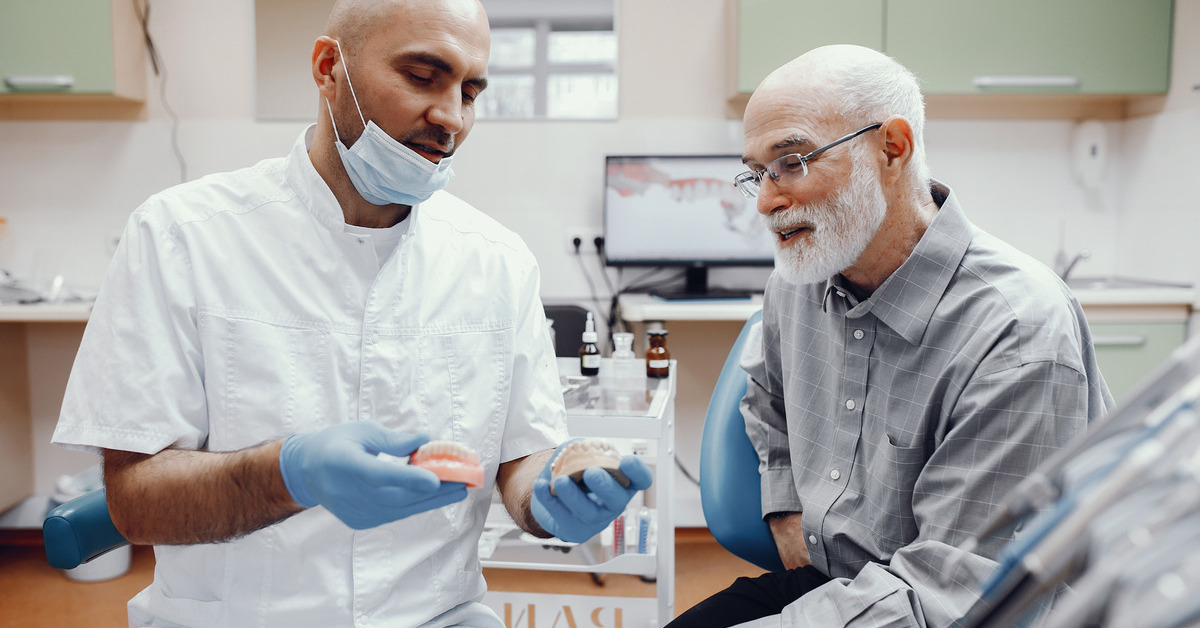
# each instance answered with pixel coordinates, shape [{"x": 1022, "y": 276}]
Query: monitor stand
[{"x": 696, "y": 288}]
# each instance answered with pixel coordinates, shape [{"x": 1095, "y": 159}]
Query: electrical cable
[
  {"x": 142, "y": 8},
  {"x": 599, "y": 244},
  {"x": 687, "y": 474},
  {"x": 591, "y": 288}
]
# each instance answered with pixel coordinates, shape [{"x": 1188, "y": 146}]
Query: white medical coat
[{"x": 238, "y": 310}]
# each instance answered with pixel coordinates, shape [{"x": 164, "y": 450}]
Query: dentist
[{"x": 262, "y": 335}]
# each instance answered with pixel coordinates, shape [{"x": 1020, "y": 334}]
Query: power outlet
[{"x": 587, "y": 239}]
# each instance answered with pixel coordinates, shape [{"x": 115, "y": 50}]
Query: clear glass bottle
[
  {"x": 626, "y": 370},
  {"x": 658, "y": 358},
  {"x": 589, "y": 353}
]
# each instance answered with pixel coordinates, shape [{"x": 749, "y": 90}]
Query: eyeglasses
[{"x": 790, "y": 168}]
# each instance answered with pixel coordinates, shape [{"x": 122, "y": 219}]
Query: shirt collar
[
  {"x": 906, "y": 300},
  {"x": 312, "y": 190}
]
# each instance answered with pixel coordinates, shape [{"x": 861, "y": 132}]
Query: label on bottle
[
  {"x": 590, "y": 361},
  {"x": 658, "y": 364}
]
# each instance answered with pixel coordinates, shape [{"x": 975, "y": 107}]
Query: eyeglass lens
[{"x": 792, "y": 166}]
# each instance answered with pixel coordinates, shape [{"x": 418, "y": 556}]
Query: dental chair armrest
[{"x": 79, "y": 531}]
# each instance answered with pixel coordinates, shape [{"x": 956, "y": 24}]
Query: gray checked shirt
[{"x": 897, "y": 424}]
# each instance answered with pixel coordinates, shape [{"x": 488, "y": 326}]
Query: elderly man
[
  {"x": 262, "y": 335},
  {"x": 912, "y": 368}
]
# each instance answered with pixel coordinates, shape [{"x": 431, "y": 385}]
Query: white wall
[{"x": 1158, "y": 227}]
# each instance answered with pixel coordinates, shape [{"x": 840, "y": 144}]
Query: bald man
[
  {"x": 912, "y": 368},
  {"x": 264, "y": 336}
]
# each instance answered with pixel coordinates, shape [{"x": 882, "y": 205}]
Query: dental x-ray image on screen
[{"x": 681, "y": 210}]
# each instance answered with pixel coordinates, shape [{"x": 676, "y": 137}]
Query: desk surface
[{"x": 644, "y": 307}]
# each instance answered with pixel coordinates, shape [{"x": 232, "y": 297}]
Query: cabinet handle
[
  {"x": 1025, "y": 81},
  {"x": 42, "y": 83},
  {"x": 1119, "y": 340}
]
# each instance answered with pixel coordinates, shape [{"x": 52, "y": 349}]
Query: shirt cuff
[{"x": 779, "y": 492}]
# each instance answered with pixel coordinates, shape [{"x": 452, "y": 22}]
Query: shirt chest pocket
[
  {"x": 265, "y": 381},
  {"x": 893, "y": 470},
  {"x": 453, "y": 386}
]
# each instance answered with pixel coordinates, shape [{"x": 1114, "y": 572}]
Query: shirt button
[
  {"x": 835, "y": 474},
  {"x": 812, "y": 539},
  {"x": 849, "y": 404},
  {"x": 858, "y": 334},
  {"x": 841, "y": 294}
]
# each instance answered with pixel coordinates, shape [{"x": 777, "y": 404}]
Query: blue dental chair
[
  {"x": 79, "y": 531},
  {"x": 730, "y": 489}
]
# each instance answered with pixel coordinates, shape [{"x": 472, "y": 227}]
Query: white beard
[{"x": 841, "y": 229}]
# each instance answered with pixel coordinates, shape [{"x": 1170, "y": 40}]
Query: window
[
  {"x": 559, "y": 68},
  {"x": 549, "y": 59}
]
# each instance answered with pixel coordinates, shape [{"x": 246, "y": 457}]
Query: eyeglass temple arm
[{"x": 840, "y": 140}]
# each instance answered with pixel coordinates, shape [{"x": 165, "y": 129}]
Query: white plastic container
[{"x": 111, "y": 565}]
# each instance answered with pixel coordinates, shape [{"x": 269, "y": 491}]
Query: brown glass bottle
[{"x": 658, "y": 358}]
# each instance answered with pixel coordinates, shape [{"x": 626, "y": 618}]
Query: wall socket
[{"x": 587, "y": 237}]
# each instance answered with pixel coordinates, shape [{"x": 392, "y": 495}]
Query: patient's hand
[{"x": 789, "y": 538}]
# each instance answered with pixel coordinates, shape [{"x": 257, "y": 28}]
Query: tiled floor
[{"x": 32, "y": 594}]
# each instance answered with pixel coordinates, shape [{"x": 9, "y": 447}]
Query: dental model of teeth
[
  {"x": 450, "y": 461},
  {"x": 579, "y": 455}
]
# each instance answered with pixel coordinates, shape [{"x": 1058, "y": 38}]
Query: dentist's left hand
[
  {"x": 575, "y": 515},
  {"x": 337, "y": 468}
]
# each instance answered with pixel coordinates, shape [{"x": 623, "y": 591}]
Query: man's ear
[
  {"x": 325, "y": 58},
  {"x": 898, "y": 145}
]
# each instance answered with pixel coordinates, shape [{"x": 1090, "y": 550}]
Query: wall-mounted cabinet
[
  {"x": 71, "y": 59},
  {"x": 1130, "y": 351},
  {"x": 976, "y": 58},
  {"x": 772, "y": 32}
]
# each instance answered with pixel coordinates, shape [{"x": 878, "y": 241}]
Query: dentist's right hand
[{"x": 337, "y": 468}]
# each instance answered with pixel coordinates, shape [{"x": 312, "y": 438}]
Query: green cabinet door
[
  {"x": 1033, "y": 46},
  {"x": 57, "y": 46},
  {"x": 1129, "y": 352},
  {"x": 772, "y": 32}
]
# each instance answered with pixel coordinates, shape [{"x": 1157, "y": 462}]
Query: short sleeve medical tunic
[{"x": 239, "y": 309}]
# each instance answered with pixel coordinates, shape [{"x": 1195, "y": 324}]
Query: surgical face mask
[{"x": 383, "y": 170}]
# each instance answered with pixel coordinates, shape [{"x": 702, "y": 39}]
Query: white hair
[{"x": 870, "y": 87}]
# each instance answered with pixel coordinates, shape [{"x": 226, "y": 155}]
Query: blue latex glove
[
  {"x": 337, "y": 468},
  {"x": 575, "y": 515}
]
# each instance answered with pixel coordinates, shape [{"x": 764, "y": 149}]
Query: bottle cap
[
  {"x": 656, "y": 332},
  {"x": 589, "y": 329}
]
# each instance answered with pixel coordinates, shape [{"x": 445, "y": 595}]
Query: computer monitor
[{"x": 682, "y": 210}]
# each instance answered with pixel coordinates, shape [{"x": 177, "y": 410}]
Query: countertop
[
  {"x": 647, "y": 308},
  {"x": 45, "y": 313},
  {"x": 1137, "y": 296}
]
